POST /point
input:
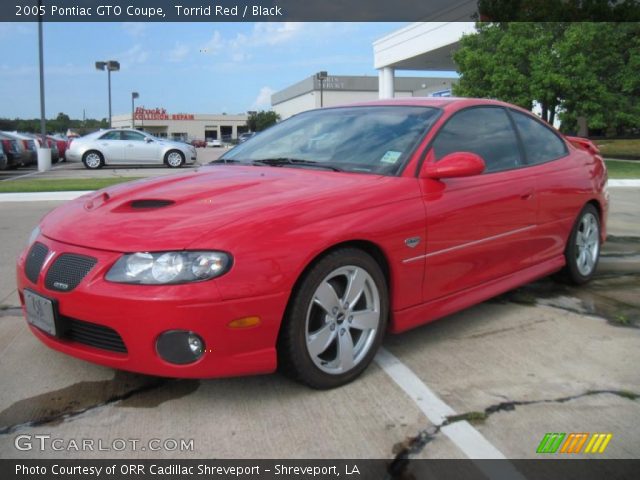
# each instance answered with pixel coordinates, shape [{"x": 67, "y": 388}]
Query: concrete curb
[
  {"x": 41, "y": 196},
  {"x": 63, "y": 196}
]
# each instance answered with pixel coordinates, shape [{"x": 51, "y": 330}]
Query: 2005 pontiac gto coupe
[{"x": 299, "y": 248}]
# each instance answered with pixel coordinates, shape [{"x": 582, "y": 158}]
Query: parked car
[
  {"x": 13, "y": 149},
  {"x": 199, "y": 143},
  {"x": 300, "y": 248},
  {"x": 4, "y": 160},
  {"x": 61, "y": 143},
  {"x": 51, "y": 144},
  {"x": 29, "y": 145},
  {"x": 243, "y": 137},
  {"x": 127, "y": 146},
  {"x": 214, "y": 142}
]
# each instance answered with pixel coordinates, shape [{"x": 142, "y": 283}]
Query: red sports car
[{"x": 301, "y": 247}]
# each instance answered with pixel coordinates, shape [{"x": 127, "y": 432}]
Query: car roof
[{"x": 437, "y": 102}]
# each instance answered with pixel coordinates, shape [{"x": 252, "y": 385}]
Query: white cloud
[
  {"x": 275, "y": 33},
  {"x": 134, "y": 29},
  {"x": 178, "y": 53},
  {"x": 214, "y": 45},
  {"x": 134, "y": 55},
  {"x": 239, "y": 48},
  {"x": 264, "y": 98}
]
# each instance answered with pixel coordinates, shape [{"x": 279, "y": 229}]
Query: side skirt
[{"x": 427, "y": 312}]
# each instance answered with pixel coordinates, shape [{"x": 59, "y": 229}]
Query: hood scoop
[{"x": 150, "y": 203}]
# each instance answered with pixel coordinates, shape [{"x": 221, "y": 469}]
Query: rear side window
[
  {"x": 113, "y": 135},
  {"x": 541, "y": 144},
  {"x": 485, "y": 131}
]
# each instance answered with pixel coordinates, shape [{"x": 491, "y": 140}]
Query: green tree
[
  {"x": 568, "y": 69},
  {"x": 262, "y": 120}
]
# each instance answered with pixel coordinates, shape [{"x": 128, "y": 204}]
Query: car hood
[{"x": 172, "y": 212}]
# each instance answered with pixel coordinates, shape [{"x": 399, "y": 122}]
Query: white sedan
[
  {"x": 127, "y": 146},
  {"x": 213, "y": 142}
]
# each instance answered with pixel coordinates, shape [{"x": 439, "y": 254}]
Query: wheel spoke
[
  {"x": 355, "y": 287},
  {"x": 579, "y": 239},
  {"x": 345, "y": 350},
  {"x": 326, "y": 297},
  {"x": 365, "y": 320},
  {"x": 319, "y": 341}
]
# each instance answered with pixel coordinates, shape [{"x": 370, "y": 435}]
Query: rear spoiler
[{"x": 584, "y": 144}]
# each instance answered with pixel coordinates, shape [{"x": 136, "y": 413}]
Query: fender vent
[{"x": 150, "y": 203}]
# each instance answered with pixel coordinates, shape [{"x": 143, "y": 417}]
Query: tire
[
  {"x": 319, "y": 343},
  {"x": 174, "y": 159},
  {"x": 93, "y": 160},
  {"x": 583, "y": 248},
  {"x": 54, "y": 161}
]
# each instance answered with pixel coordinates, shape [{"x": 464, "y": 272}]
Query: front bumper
[{"x": 140, "y": 313}]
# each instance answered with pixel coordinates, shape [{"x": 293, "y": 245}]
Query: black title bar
[{"x": 316, "y": 10}]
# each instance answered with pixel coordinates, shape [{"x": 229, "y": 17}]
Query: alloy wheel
[
  {"x": 587, "y": 244},
  {"x": 342, "y": 319}
]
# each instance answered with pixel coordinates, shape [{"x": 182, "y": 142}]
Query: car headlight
[
  {"x": 34, "y": 234},
  {"x": 162, "y": 268}
]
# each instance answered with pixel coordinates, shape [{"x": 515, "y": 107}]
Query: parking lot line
[{"x": 469, "y": 440}]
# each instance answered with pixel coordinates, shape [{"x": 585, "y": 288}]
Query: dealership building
[
  {"x": 420, "y": 46},
  {"x": 183, "y": 126}
]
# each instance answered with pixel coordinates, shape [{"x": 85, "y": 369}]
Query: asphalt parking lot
[
  {"x": 77, "y": 170},
  {"x": 488, "y": 381}
]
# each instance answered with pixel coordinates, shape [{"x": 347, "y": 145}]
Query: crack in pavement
[
  {"x": 414, "y": 445},
  {"x": 57, "y": 406},
  {"x": 10, "y": 311}
]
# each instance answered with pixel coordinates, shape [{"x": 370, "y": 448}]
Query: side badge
[{"x": 412, "y": 242}]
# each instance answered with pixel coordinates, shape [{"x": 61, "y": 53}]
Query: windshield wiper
[
  {"x": 224, "y": 160},
  {"x": 280, "y": 161}
]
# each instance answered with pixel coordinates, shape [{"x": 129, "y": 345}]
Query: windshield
[{"x": 369, "y": 139}]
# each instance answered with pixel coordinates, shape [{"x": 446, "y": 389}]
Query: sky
[{"x": 182, "y": 67}]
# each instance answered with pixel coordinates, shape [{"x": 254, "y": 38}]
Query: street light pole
[
  {"x": 44, "y": 154},
  {"x": 109, "y": 66},
  {"x": 321, "y": 76},
  {"x": 134, "y": 95}
]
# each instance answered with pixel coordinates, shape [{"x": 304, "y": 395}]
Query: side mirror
[
  {"x": 453, "y": 165},
  {"x": 148, "y": 140}
]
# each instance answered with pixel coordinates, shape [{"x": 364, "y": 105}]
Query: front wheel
[
  {"x": 93, "y": 160},
  {"x": 583, "y": 249},
  {"x": 174, "y": 159},
  {"x": 335, "y": 321}
]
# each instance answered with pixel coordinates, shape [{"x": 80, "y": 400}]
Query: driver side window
[
  {"x": 133, "y": 136},
  {"x": 485, "y": 131}
]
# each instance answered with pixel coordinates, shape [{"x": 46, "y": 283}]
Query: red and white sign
[{"x": 160, "y": 114}]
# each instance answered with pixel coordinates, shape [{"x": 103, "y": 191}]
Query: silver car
[{"x": 127, "y": 146}]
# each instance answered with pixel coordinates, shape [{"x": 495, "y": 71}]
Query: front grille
[
  {"x": 35, "y": 259},
  {"x": 91, "y": 334},
  {"x": 67, "y": 271}
]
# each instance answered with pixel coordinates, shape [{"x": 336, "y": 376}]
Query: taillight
[{"x": 25, "y": 144}]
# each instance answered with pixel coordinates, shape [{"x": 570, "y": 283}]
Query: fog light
[
  {"x": 195, "y": 344},
  {"x": 180, "y": 346}
]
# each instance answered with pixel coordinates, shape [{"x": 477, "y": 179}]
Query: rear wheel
[
  {"x": 583, "y": 249},
  {"x": 336, "y": 320},
  {"x": 174, "y": 159},
  {"x": 93, "y": 160}
]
